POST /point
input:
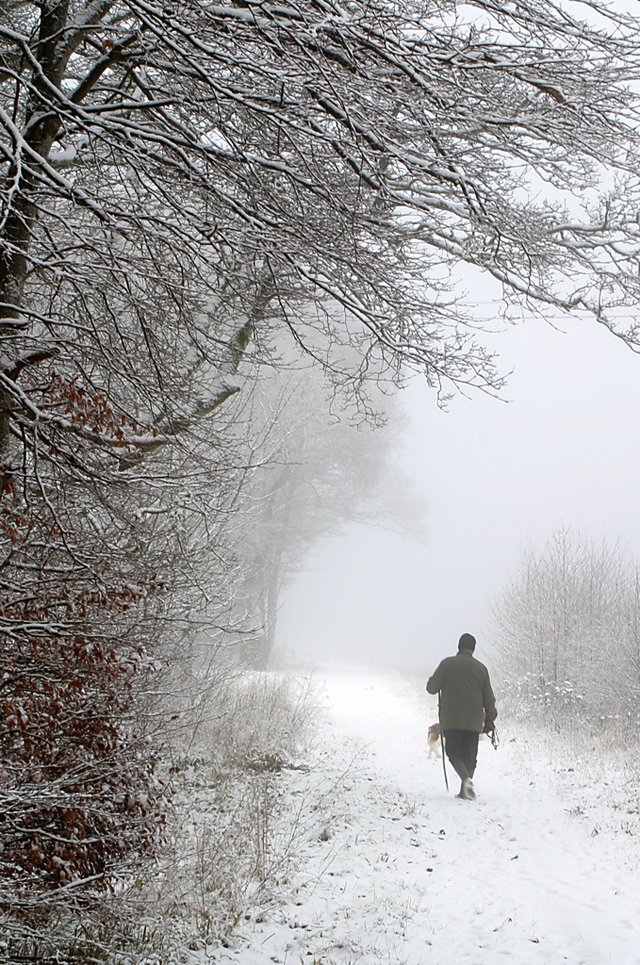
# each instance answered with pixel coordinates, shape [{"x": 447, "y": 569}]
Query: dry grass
[{"x": 232, "y": 845}]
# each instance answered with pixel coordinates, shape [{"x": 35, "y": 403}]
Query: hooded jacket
[{"x": 467, "y": 701}]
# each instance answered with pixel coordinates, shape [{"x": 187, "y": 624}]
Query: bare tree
[{"x": 154, "y": 154}]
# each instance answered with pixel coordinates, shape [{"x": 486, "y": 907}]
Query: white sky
[{"x": 495, "y": 478}]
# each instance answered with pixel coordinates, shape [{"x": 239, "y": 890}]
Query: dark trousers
[{"x": 462, "y": 750}]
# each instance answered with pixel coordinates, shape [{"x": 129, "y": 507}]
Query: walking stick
[{"x": 444, "y": 766}]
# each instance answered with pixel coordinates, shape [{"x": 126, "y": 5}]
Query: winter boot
[{"x": 468, "y": 792}]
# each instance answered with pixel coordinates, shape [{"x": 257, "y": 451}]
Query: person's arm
[
  {"x": 489, "y": 704},
  {"x": 435, "y": 682}
]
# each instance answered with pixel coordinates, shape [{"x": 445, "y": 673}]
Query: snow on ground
[{"x": 542, "y": 868}]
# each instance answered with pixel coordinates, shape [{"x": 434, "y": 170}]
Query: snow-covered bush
[{"x": 79, "y": 797}]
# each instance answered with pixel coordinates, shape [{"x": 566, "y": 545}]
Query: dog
[{"x": 433, "y": 741}]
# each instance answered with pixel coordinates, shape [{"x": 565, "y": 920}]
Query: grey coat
[{"x": 466, "y": 697}]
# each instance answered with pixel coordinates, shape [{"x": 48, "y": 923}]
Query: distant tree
[{"x": 565, "y": 631}]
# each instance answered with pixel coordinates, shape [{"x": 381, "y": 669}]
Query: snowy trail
[{"x": 403, "y": 872}]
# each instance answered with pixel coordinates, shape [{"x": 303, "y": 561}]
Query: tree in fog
[{"x": 317, "y": 468}]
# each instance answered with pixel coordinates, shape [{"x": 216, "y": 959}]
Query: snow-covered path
[{"x": 399, "y": 871}]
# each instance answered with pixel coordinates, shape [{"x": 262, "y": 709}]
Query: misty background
[{"x": 493, "y": 478}]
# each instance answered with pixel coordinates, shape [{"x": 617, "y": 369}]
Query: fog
[{"x": 495, "y": 477}]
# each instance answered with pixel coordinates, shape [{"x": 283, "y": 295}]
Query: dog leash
[{"x": 444, "y": 766}]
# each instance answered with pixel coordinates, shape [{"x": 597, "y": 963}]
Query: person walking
[{"x": 467, "y": 707}]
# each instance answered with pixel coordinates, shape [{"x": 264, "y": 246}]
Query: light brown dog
[{"x": 433, "y": 741}]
